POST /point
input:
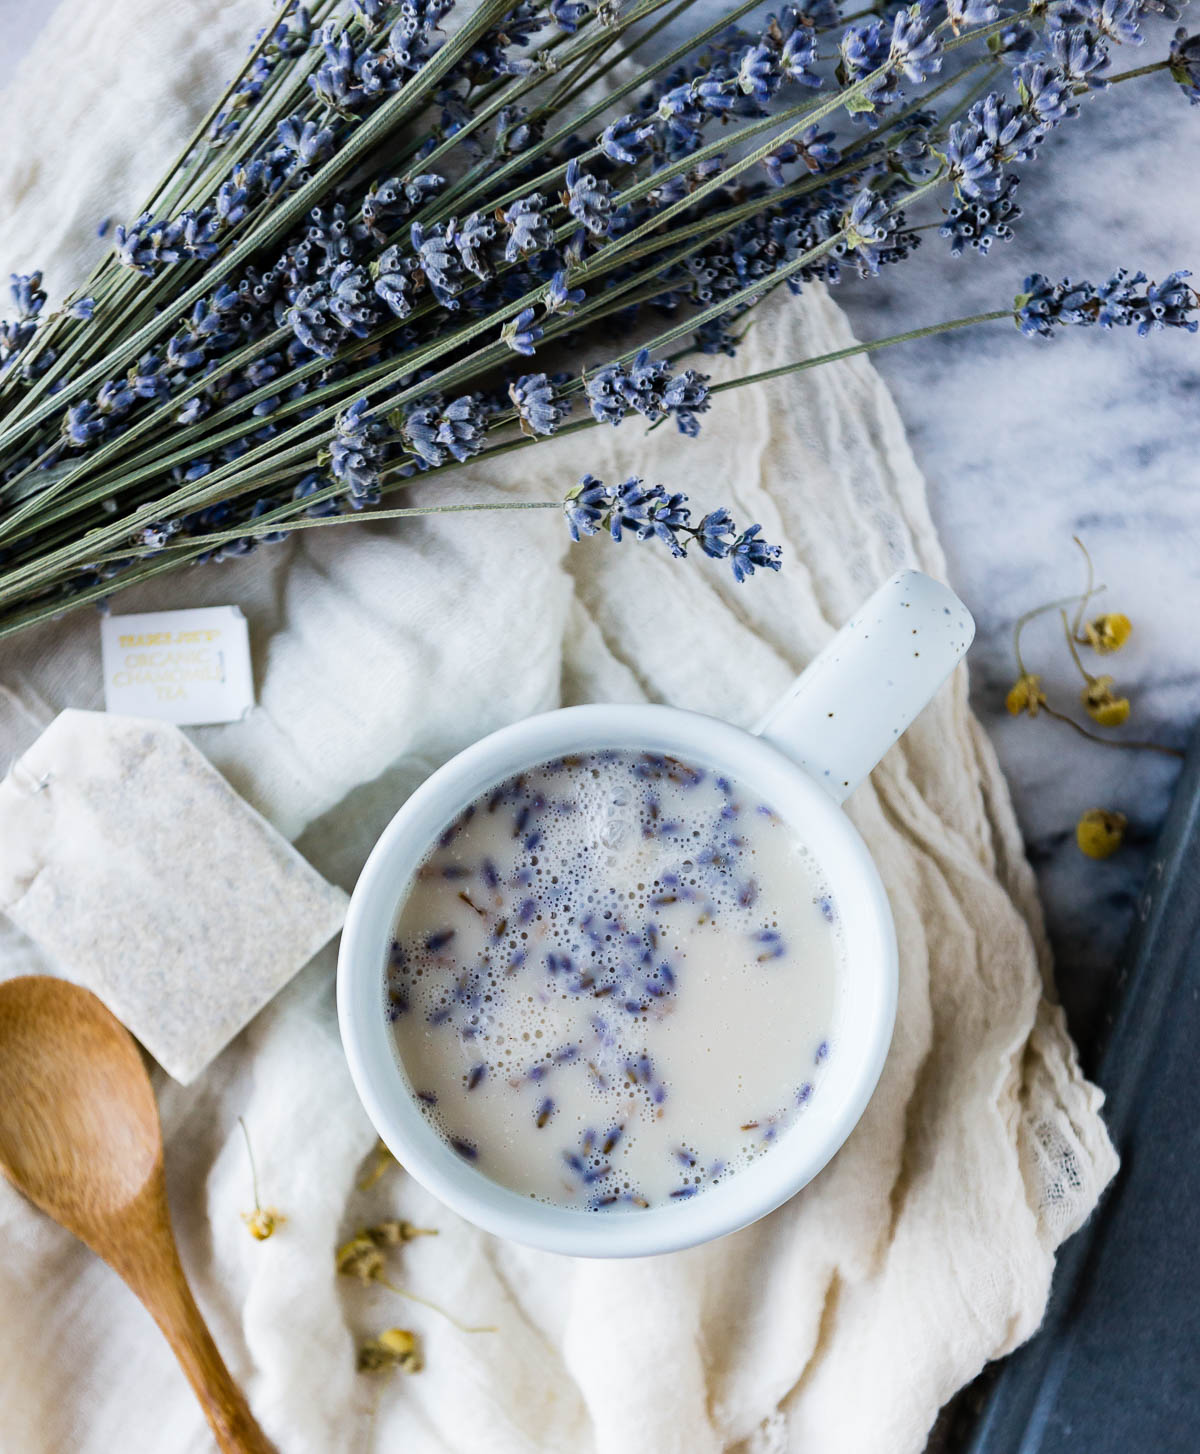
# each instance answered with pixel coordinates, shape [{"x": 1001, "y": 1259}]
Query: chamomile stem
[
  {"x": 1111, "y": 741},
  {"x": 1088, "y": 593},
  {"x": 425, "y": 1303},
  {"x": 1074, "y": 650},
  {"x": 253, "y": 1169},
  {"x": 1023, "y": 621}
]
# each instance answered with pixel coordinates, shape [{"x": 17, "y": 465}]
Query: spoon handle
[
  {"x": 159, "y": 1280},
  {"x": 233, "y": 1425}
]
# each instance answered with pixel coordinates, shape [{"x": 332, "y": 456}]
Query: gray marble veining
[{"x": 1026, "y": 443}]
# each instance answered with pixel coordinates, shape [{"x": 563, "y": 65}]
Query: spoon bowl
[
  {"x": 81, "y": 1140},
  {"x": 80, "y": 1137}
]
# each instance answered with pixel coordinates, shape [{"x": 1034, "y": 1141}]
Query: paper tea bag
[{"x": 131, "y": 861}]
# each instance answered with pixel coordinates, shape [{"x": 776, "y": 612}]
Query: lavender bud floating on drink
[{"x": 613, "y": 981}]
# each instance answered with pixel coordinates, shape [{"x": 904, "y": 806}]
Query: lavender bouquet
[{"x": 407, "y": 236}]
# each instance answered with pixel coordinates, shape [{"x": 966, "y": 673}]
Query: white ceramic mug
[{"x": 839, "y": 718}]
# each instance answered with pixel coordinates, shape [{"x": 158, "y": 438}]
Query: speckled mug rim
[{"x": 864, "y": 1017}]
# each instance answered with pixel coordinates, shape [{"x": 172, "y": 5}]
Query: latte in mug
[{"x": 613, "y": 980}]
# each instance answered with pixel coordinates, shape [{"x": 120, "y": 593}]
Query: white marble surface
[{"x": 1027, "y": 443}]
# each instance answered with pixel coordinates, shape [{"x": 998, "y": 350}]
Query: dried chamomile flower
[
  {"x": 361, "y": 1258},
  {"x": 262, "y": 1221},
  {"x": 1025, "y": 695},
  {"x": 394, "y": 1348},
  {"x": 1099, "y": 833},
  {"x": 1108, "y": 632},
  {"x": 1102, "y": 705},
  {"x": 391, "y": 1233}
]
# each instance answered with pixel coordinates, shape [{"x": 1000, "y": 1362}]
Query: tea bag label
[{"x": 187, "y": 667}]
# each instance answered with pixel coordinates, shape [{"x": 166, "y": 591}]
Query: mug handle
[{"x": 868, "y": 685}]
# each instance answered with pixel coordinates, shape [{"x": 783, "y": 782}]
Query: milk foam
[{"x": 613, "y": 980}]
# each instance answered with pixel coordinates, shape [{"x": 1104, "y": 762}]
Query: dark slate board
[{"x": 1115, "y": 1368}]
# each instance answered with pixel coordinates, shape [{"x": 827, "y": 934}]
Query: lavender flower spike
[
  {"x": 650, "y": 513},
  {"x": 1124, "y": 301}
]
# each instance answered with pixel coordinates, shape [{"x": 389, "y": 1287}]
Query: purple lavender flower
[
  {"x": 666, "y": 517},
  {"x": 310, "y": 484},
  {"x": 559, "y": 298},
  {"x": 715, "y": 534},
  {"x": 357, "y": 451},
  {"x": 29, "y": 299},
  {"x": 473, "y": 239},
  {"x": 915, "y": 46},
  {"x": 870, "y": 224},
  {"x": 393, "y": 280},
  {"x": 626, "y": 139},
  {"x": 750, "y": 552},
  {"x": 1167, "y": 305},
  {"x": 149, "y": 244},
  {"x": 1081, "y": 57},
  {"x": 993, "y": 134},
  {"x": 589, "y": 201},
  {"x": 758, "y": 73},
  {"x": 568, "y": 13},
  {"x": 649, "y": 512},
  {"x": 685, "y": 396},
  {"x": 522, "y": 333},
  {"x": 647, "y": 386},
  {"x": 585, "y": 506},
  {"x": 83, "y": 424},
  {"x": 433, "y": 432},
  {"x": 1184, "y": 63},
  {"x": 389, "y": 201},
  {"x": 798, "y": 55},
  {"x": 978, "y": 224},
  {"x": 348, "y": 78},
  {"x": 864, "y": 50},
  {"x": 970, "y": 12},
  {"x": 539, "y": 409},
  {"x": 813, "y": 147},
  {"x": 1125, "y": 300},
  {"x": 528, "y": 226},
  {"x": 605, "y": 396},
  {"x": 439, "y": 261},
  {"x": 304, "y": 142},
  {"x": 1118, "y": 19}
]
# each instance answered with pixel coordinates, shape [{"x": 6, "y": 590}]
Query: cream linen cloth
[{"x": 838, "y": 1324}]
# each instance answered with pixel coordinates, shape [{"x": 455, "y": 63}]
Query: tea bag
[{"x": 130, "y": 860}]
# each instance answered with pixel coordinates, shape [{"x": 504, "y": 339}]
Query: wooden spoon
[{"x": 79, "y": 1135}]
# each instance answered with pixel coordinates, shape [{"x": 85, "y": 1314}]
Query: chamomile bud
[
  {"x": 1102, "y": 704},
  {"x": 1099, "y": 832},
  {"x": 1109, "y": 632},
  {"x": 1025, "y": 695}
]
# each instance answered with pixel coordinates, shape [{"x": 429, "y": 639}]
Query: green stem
[
  {"x": 255, "y": 528},
  {"x": 1140, "y": 71},
  {"x": 871, "y": 346}
]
